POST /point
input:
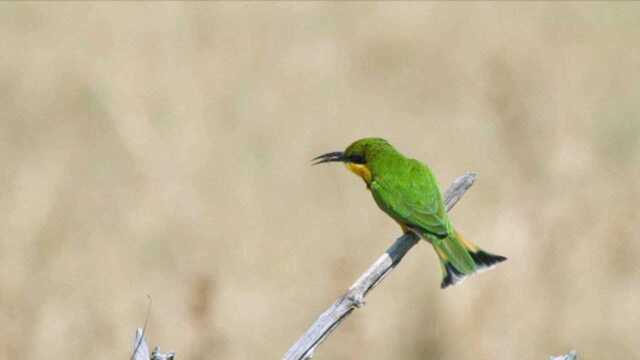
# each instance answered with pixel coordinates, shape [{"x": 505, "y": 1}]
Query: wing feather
[{"x": 412, "y": 198}]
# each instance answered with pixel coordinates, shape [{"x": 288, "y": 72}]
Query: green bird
[{"x": 407, "y": 191}]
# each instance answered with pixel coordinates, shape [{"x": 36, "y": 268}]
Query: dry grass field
[{"x": 163, "y": 149}]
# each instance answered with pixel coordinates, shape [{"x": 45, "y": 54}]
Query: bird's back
[{"x": 408, "y": 192}]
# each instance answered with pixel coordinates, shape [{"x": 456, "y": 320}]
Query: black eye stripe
[{"x": 357, "y": 159}]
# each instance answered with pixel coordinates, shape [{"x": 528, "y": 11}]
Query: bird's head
[{"x": 358, "y": 156}]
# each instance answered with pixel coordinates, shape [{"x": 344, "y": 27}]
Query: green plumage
[{"x": 407, "y": 191}]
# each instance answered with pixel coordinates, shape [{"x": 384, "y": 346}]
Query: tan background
[{"x": 163, "y": 149}]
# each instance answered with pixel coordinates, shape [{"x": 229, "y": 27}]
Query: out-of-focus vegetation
[{"x": 164, "y": 149}]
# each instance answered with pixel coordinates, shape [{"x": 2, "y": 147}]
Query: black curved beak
[{"x": 336, "y": 156}]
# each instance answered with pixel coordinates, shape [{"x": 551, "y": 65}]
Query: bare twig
[
  {"x": 141, "y": 349},
  {"x": 354, "y": 298},
  {"x": 570, "y": 356}
]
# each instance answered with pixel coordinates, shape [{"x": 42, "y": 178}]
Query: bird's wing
[{"x": 413, "y": 199}]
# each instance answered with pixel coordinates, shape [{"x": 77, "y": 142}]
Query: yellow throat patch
[{"x": 360, "y": 170}]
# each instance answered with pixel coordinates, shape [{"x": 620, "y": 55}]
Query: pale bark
[{"x": 354, "y": 297}]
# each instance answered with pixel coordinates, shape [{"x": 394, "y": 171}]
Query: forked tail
[{"x": 460, "y": 258}]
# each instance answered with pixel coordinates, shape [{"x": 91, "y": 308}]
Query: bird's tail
[{"x": 460, "y": 258}]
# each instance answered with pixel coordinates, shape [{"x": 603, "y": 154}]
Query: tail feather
[
  {"x": 485, "y": 260},
  {"x": 460, "y": 258},
  {"x": 451, "y": 276}
]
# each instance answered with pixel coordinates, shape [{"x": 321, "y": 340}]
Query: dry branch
[
  {"x": 141, "y": 349},
  {"x": 354, "y": 298},
  {"x": 570, "y": 356}
]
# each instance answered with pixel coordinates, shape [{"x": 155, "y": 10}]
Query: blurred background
[{"x": 163, "y": 149}]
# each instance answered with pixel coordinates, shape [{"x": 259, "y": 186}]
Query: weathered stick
[
  {"x": 141, "y": 349},
  {"x": 570, "y": 356},
  {"x": 354, "y": 298}
]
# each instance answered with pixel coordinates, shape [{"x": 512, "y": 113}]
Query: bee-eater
[{"x": 407, "y": 191}]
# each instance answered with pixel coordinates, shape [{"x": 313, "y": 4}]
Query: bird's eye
[{"x": 357, "y": 159}]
